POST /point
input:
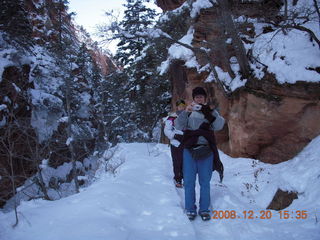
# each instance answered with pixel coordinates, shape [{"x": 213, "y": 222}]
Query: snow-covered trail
[{"x": 140, "y": 202}]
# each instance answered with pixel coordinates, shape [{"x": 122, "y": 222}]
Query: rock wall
[
  {"x": 272, "y": 124},
  {"x": 264, "y": 120},
  {"x": 28, "y": 67},
  {"x": 17, "y": 139},
  {"x": 169, "y": 5}
]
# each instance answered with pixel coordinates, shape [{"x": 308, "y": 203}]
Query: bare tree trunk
[
  {"x": 60, "y": 20},
  {"x": 41, "y": 184},
  {"x": 220, "y": 84},
  {"x": 237, "y": 43},
  {"x": 70, "y": 134},
  {"x": 36, "y": 159},
  {"x": 220, "y": 46},
  {"x": 102, "y": 127},
  {"x": 10, "y": 148},
  {"x": 285, "y": 10},
  {"x": 13, "y": 190}
]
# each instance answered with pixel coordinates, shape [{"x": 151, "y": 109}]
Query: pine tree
[
  {"x": 119, "y": 111},
  {"x": 63, "y": 35},
  {"x": 99, "y": 102},
  {"x": 137, "y": 17},
  {"x": 66, "y": 49},
  {"x": 139, "y": 95},
  {"x": 14, "y": 21},
  {"x": 148, "y": 90}
]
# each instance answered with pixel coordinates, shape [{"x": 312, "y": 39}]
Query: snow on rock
[
  {"x": 177, "y": 51},
  {"x": 47, "y": 77},
  {"x": 41, "y": 98},
  {"x": 58, "y": 181},
  {"x": 44, "y": 163},
  {"x": 3, "y": 122},
  {"x": 232, "y": 83},
  {"x": 63, "y": 120},
  {"x": 5, "y": 55},
  {"x": 48, "y": 109},
  {"x": 139, "y": 201},
  {"x": 69, "y": 140},
  {"x": 200, "y": 4},
  {"x": 84, "y": 110},
  {"x": 292, "y": 56},
  {"x": 3, "y": 107},
  {"x": 288, "y": 56},
  {"x": 3, "y": 64}
]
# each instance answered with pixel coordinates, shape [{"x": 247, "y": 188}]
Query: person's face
[
  {"x": 199, "y": 99},
  {"x": 181, "y": 107}
]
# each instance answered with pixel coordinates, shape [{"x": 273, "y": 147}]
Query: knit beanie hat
[
  {"x": 180, "y": 102},
  {"x": 198, "y": 91}
]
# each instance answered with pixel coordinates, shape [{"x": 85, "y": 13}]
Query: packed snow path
[{"x": 140, "y": 202}]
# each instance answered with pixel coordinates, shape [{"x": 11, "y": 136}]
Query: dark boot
[
  {"x": 191, "y": 215},
  {"x": 205, "y": 216}
]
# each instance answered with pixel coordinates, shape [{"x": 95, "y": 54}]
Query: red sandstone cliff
[{"x": 266, "y": 120}]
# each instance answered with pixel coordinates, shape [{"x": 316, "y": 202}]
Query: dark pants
[{"x": 177, "y": 156}]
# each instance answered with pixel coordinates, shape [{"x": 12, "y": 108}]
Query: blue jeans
[{"x": 190, "y": 169}]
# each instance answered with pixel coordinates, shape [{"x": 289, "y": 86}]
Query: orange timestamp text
[{"x": 263, "y": 214}]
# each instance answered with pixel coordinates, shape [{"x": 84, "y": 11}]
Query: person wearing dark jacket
[{"x": 200, "y": 155}]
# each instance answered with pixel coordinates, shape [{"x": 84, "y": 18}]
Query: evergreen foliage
[
  {"x": 14, "y": 21},
  {"x": 139, "y": 95},
  {"x": 137, "y": 17}
]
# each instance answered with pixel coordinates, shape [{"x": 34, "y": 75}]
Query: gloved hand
[
  {"x": 207, "y": 112},
  {"x": 205, "y": 126},
  {"x": 178, "y": 137}
]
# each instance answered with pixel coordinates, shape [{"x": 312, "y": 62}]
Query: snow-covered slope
[{"x": 139, "y": 201}]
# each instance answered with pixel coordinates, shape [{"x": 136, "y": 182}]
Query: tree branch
[
  {"x": 304, "y": 29},
  {"x": 298, "y": 27},
  {"x": 317, "y": 9}
]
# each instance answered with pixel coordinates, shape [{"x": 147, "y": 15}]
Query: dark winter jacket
[{"x": 193, "y": 121}]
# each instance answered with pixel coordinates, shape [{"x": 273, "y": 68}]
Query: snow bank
[
  {"x": 58, "y": 180},
  {"x": 133, "y": 202}
]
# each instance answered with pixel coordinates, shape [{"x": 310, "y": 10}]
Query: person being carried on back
[
  {"x": 176, "y": 151},
  {"x": 200, "y": 154}
]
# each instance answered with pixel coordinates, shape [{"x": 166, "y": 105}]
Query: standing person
[
  {"x": 198, "y": 122},
  {"x": 176, "y": 150}
]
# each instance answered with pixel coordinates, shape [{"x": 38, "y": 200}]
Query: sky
[{"x": 89, "y": 13}]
